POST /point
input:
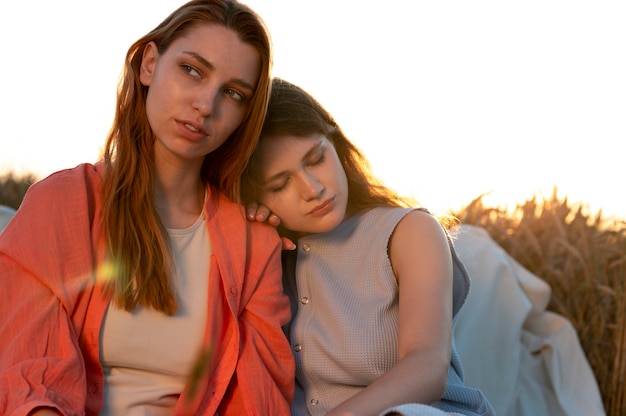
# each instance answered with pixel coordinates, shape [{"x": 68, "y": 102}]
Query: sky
[{"x": 449, "y": 100}]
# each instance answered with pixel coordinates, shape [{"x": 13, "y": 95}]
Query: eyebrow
[
  {"x": 210, "y": 66},
  {"x": 307, "y": 155}
]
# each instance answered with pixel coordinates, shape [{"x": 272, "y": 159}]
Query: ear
[{"x": 148, "y": 63}]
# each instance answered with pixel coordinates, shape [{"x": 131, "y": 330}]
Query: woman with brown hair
[
  {"x": 135, "y": 285},
  {"x": 375, "y": 283}
]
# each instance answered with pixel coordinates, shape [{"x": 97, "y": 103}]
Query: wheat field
[{"x": 582, "y": 256}]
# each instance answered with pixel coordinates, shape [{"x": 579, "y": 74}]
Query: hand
[{"x": 261, "y": 213}]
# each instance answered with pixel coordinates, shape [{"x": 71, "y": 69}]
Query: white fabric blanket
[{"x": 526, "y": 360}]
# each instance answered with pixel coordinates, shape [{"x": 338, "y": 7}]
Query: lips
[
  {"x": 323, "y": 208},
  {"x": 192, "y": 131},
  {"x": 192, "y": 128},
  {"x": 195, "y": 127}
]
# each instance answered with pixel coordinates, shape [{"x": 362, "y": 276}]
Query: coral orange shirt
[{"x": 52, "y": 307}]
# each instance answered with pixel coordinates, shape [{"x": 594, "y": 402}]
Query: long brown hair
[
  {"x": 136, "y": 242},
  {"x": 293, "y": 111}
]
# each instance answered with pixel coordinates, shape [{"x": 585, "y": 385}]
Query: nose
[
  {"x": 311, "y": 188},
  {"x": 206, "y": 101}
]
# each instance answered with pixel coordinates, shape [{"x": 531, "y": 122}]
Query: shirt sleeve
[
  {"x": 46, "y": 262},
  {"x": 40, "y": 363}
]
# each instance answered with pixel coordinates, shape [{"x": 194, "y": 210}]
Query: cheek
[
  {"x": 274, "y": 204},
  {"x": 230, "y": 122},
  {"x": 340, "y": 178},
  {"x": 157, "y": 102},
  {"x": 236, "y": 115},
  {"x": 278, "y": 205},
  {"x": 151, "y": 103}
]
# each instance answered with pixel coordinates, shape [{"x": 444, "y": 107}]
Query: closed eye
[
  {"x": 313, "y": 161},
  {"x": 318, "y": 160},
  {"x": 279, "y": 188}
]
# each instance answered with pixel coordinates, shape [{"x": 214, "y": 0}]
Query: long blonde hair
[{"x": 136, "y": 244}]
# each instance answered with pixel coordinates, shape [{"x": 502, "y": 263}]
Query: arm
[
  {"x": 45, "y": 270},
  {"x": 422, "y": 263},
  {"x": 41, "y": 364}
]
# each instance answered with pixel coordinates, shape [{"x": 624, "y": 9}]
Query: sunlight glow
[{"x": 448, "y": 100}]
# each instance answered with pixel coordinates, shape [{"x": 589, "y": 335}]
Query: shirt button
[
  {"x": 304, "y": 300},
  {"x": 306, "y": 247},
  {"x": 315, "y": 402},
  {"x": 298, "y": 348}
]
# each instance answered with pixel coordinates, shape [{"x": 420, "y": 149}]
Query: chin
[
  {"x": 327, "y": 226},
  {"x": 320, "y": 225}
]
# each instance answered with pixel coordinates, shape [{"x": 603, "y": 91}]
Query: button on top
[
  {"x": 304, "y": 300},
  {"x": 298, "y": 348},
  {"x": 306, "y": 247},
  {"x": 315, "y": 402}
]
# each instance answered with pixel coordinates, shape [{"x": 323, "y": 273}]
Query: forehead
[
  {"x": 289, "y": 144},
  {"x": 276, "y": 153}
]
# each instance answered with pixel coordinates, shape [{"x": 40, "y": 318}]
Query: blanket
[{"x": 527, "y": 360}]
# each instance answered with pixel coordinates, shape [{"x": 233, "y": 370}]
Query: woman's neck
[{"x": 179, "y": 196}]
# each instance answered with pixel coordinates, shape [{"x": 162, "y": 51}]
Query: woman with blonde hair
[{"x": 135, "y": 285}]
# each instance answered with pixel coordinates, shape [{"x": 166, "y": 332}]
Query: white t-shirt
[{"x": 146, "y": 355}]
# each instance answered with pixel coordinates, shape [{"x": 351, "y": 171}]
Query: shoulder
[
  {"x": 419, "y": 232},
  {"x": 421, "y": 238},
  {"x": 68, "y": 180},
  {"x": 420, "y": 224},
  {"x": 70, "y": 196},
  {"x": 397, "y": 218},
  {"x": 65, "y": 203},
  {"x": 421, "y": 219},
  {"x": 263, "y": 230},
  {"x": 65, "y": 187},
  {"x": 228, "y": 215}
]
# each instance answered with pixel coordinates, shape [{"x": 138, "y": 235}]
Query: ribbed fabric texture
[{"x": 344, "y": 334}]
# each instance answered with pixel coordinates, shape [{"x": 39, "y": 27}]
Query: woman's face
[
  {"x": 304, "y": 183},
  {"x": 199, "y": 91}
]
